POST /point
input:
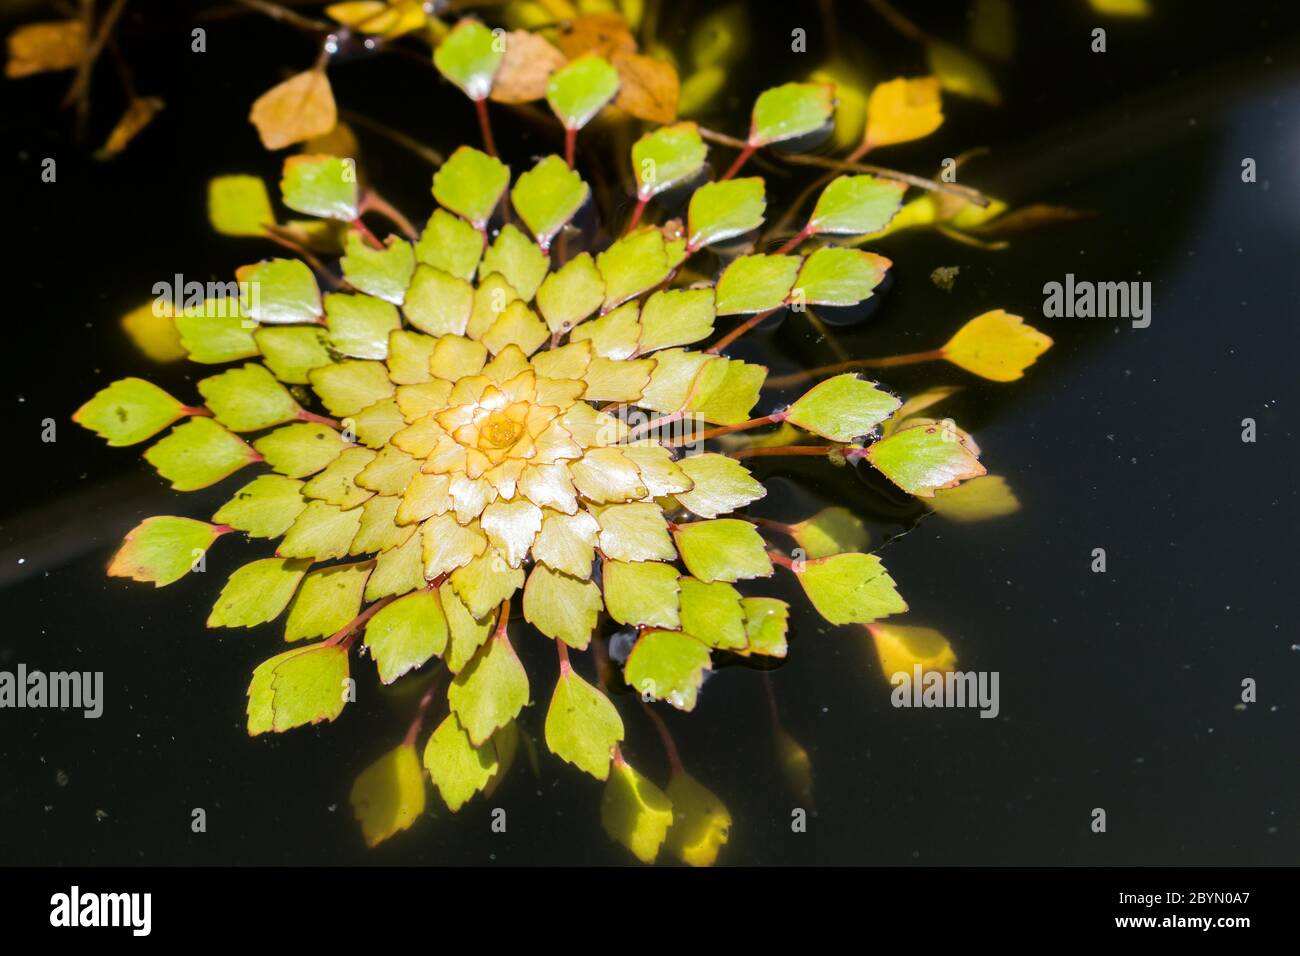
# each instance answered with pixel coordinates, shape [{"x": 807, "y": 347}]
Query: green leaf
[
  {"x": 347, "y": 387},
  {"x": 676, "y": 317},
  {"x": 128, "y": 411},
  {"x": 632, "y": 265},
  {"x": 570, "y": 294},
  {"x": 490, "y": 690},
  {"x": 263, "y": 508},
  {"x": 766, "y": 620},
  {"x": 439, "y": 303},
  {"x": 723, "y": 210},
  {"x": 360, "y": 324},
  {"x": 724, "y": 549},
  {"x": 384, "y": 273},
  {"x": 842, "y": 408},
  {"x": 636, "y": 531},
  {"x": 324, "y": 186},
  {"x": 701, "y": 823},
  {"x": 388, "y": 796},
  {"x": 300, "y": 449},
  {"x": 641, "y": 592},
  {"x": 518, "y": 259},
  {"x": 849, "y": 588},
  {"x": 469, "y": 57},
  {"x": 830, "y": 531},
  {"x": 923, "y": 458},
  {"x": 561, "y": 606},
  {"x": 248, "y": 399},
  {"x": 258, "y": 592},
  {"x": 582, "y": 726},
  {"x": 667, "y": 665},
  {"x": 852, "y": 205},
  {"x": 406, "y": 634},
  {"x": 280, "y": 292},
  {"x": 458, "y": 767},
  {"x": 198, "y": 453},
  {"x": 291, "y": 352},
  {"x": 712, "y": 614},
  {"x": 727, "y": 391},
  {"x": 466, "y": 632},
  {"x": 666, "y": 157},
  {"x": 578, "y": 90},
  {"x": 239, "y": 205},
  {"x": 162, "y": 549},
  {"x": 337, "y": 483},
  {"x": 790, "y": 111},
  {"x": 301, "y": 686},
  {"x": 720, "y": 485},
  {"x": 614, "y": 335},
  {"x": 548, "y": 196},
  {"x": 408, "y": 357},
  {"x": 328, "y": 599},
  {"x": 836, "y": 276},
  {"x": 470, "y": 184},
  {"x": 213, "y": 339},
  {"x": 397, "y": 571},
  {"x": 635, "y": 812},
  {"x": 756, "y": 283},
  {"x": 671, "y": 381},
  {"x": 321, "y": 532},
  {"x": 450, "y": 244},
  {"x": 486, "y": 581}
]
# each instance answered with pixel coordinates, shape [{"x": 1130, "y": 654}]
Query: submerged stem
[{"x": 912, "y": 358}]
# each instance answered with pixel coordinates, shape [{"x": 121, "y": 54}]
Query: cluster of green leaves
[{"x": 478, "y": 340}]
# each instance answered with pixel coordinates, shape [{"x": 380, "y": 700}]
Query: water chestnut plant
[{"x": 510, "y": 427}]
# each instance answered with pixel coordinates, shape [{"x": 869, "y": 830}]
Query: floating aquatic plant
[{"x": 481, "y": 419}]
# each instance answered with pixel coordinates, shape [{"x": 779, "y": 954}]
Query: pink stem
[
  {"x": 485, "y": 126},
  {"x": 744, "y": 155}
]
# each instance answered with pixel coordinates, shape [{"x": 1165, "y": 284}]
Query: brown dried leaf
[
  {"x": 139, "y": 114},
  {"x": 298, "y": 109},
  {"x": 528, "y": 63},
  {"x": 648, "y": 87},
  {"x": 45, "y": 47},
  {"x": 603, "y": 34}
]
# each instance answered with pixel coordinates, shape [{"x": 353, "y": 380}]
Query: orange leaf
[
  {"x": 648, "y": 87},
  {"x": 139, "y": 114},
  {"x": 43, "y": 47},
  {"x": 603, "y": 34},
  {"x": 528, "y": 63},
  {"x": 298, "y": 109}
]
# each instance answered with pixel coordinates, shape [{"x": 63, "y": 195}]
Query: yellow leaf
[
  {"x": 635, "y": 812},
  {"x": 388, "y": 796},
  {"x": 139, "y": 114},
  {"x": 701, "y": 822},
  {"x": 297, "y": 109},
  {"x": 45, "y": 47},
  {"x": 979, "y": 499},
  {"x": 153, "y": 330},
  {"x": 1122, "y": 8},
  {"x": 903, "y": 110},
  {"x": 901, "y": 648},
  {"x": 996, "y": 345}
]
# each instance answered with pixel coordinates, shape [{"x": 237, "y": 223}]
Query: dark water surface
[{"x": 1117, "y": 690}]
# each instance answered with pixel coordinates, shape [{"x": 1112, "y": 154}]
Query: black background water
[{"x": 1117, "y": 690}]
